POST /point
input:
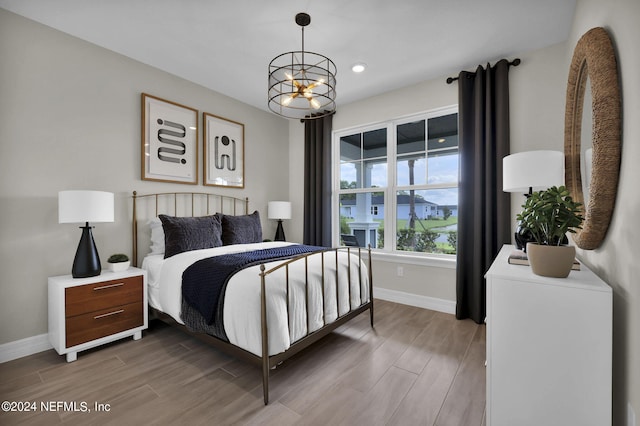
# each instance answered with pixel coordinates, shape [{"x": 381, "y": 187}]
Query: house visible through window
[{"x": 397, "y": 183}]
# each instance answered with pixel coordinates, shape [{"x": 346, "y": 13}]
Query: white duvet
[{"x": 242, "y": 297}]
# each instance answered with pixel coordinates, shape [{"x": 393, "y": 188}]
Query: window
[{"x": 397, "y": 183}]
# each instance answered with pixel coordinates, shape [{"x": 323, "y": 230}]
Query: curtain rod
[{"x": 515, "y": 63}]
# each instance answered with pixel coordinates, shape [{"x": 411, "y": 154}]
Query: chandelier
[{"x": 302, "y": 84}]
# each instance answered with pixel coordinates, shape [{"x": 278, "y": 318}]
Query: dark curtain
[
  {"x": 317, "y": 181},
  {"x": 484, "y": 223}
]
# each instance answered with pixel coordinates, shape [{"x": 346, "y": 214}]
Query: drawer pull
[
  {"x": 104, "y": 287},
  {"x": 108, "y": 314}
]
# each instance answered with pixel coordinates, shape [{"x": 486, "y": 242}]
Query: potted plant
[
  {"x": 549, "y": 215},
  {"x": 118, "y": 262}
]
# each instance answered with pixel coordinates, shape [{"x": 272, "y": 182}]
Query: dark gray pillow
[
  {"x": 190, "y": 233},
  {"x": 241, "y": 229}
]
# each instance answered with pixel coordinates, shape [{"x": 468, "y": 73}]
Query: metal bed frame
[{"x": 203, "y": 202}]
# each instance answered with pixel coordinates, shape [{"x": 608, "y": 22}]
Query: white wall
[
  {"x": 615, "y": 261},
  {"x": 537, "y": 92},
  {"x": 70, "y": 119}
]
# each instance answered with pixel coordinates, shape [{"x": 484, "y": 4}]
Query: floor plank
[
  {"x": 423, "y": 403},
  {"x": 465, "y": 402},
  {"x": 414, "y": 367},
  {"x": 378, "y": 405}
]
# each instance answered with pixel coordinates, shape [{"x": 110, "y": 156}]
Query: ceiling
[{"x": 226, "y": 45}]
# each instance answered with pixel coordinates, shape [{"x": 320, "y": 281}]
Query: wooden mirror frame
[{"x": 594, "y": 57}]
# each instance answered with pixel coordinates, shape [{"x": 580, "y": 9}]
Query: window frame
[{"x": 390, "y": 191}]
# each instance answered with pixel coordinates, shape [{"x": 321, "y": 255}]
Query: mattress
[{"x": 242, "y": 321}]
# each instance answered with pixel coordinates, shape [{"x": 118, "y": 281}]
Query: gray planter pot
[{"x": 551, "y": 261}]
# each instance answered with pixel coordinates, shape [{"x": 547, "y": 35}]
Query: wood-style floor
[{"x": 416, "y": 367}]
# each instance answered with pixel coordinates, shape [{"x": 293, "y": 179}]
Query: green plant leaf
[{"x": 550, "y": 214}]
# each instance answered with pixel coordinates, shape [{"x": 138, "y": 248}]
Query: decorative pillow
[
  {"x": 157, "y": 236},
  {"x": 190, "y": 233},
  {"x": 241, "y": 229}
]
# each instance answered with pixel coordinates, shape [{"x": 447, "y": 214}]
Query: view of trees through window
[{"x": 398, "y": 188}]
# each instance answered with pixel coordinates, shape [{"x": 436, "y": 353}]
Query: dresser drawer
[
  {"x": 102, "y": 295},
  {"x": 104, "y": 322}
]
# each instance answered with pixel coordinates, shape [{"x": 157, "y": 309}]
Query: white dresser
[{"x": 549, "y": 344}]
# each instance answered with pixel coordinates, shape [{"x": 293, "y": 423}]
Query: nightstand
[{"x": 88, "y": 312}]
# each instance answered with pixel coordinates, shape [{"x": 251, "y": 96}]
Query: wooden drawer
[
  {"x": 102, "y": 295},
  {"x": 104, "y": 322}
]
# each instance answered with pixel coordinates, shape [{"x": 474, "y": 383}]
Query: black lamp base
[
  {"x": 87, "y": 262},
  {"x": 522, "y": 237},
  {"x": 279, "y": 232}
]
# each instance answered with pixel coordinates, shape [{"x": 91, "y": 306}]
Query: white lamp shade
[
  {"x": 85, "y": 206},
  {"x": 537, "y": 170},
  {"x": 279, "y": 210}
]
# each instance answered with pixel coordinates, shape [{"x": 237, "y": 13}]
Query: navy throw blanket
[{"x": 204, "y": 282}]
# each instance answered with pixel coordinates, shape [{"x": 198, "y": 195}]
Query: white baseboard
[
  {"x": 32, "y": 345},
  {"x": 25, "y": 347},
  {"x": 426, "y": 302}
]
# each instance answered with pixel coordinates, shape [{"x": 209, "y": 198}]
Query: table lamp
[
  {"x": 85, "y": 206},
  {"x": 530, "y": 171},
  {"x": 279, "y": 210}
]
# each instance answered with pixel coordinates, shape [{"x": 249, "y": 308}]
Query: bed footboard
[{"x": 365, "y": 303}]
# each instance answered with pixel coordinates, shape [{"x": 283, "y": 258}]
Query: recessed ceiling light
[
  {"x": 441, "y": 140},
  {"x": 359, "y": 67}
]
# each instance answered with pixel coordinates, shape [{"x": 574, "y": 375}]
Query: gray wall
[
  {"x": 615, "y": 261},
  {"x": 70, "y": 119}
]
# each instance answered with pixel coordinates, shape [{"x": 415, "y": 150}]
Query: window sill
[{"x": 447, "y": 262}]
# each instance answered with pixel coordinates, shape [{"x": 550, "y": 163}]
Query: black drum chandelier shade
[{"x": 302, "y": 85}]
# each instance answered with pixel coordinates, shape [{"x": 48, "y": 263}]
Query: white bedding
[{"x": 242, "y": 297}]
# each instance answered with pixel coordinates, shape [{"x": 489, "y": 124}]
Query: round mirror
[
  {"x": 593, "y": 64},
  {"x": 586, "y": 150}
]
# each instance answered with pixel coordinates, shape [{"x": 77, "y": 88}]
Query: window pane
[
  {"x": 443, "y": 167},
  {"x": 411, "y": 137},
  {"x": 427, "y": 220},
  {"x": 349, "y": 176},
  {"x": 411, "y": 164},
  {"x": 362, "y": 216},
  {"x": 350, "y": 148},
  {"x": 443, "y": 160},
  {"x": 443, "y": 132},
  {"x": 375, "y": 174},
  {"x": 374, "y": 144},
  {"x": 411, "y": 170}
]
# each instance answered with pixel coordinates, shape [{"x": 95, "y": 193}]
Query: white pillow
[{"x": 157, "y": 236}]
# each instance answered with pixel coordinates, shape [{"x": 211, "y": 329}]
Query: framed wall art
[
  {"x": 223, "y": 142},
  {"x": 169, "y": 141}
]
